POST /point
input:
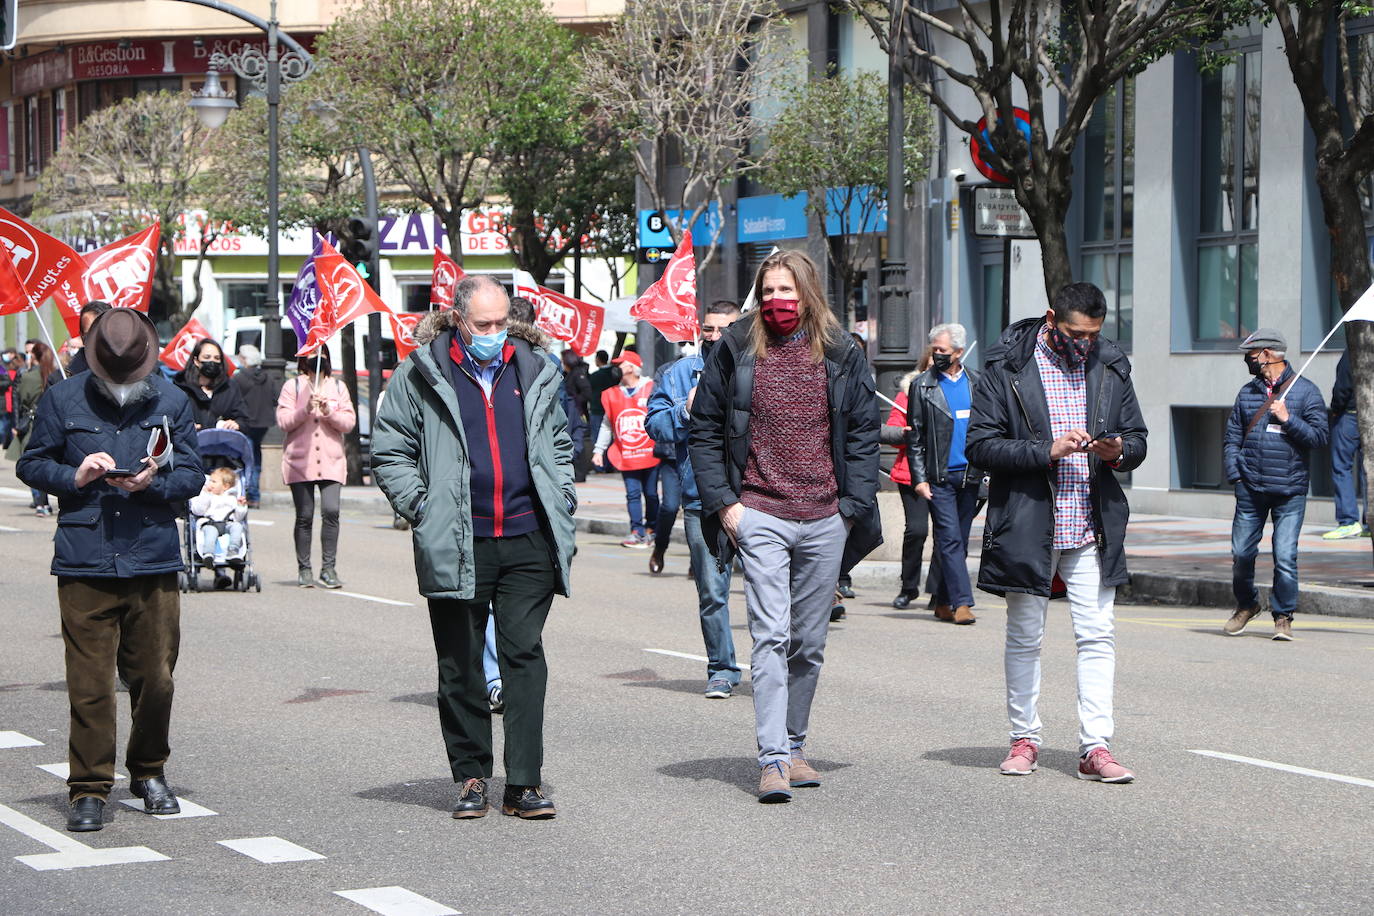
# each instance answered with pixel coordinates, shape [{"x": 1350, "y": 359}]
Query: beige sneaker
[
  {"x": 802, "y": 775},
  {"x": 1283, "y": 629},
  {"x": 774, "y": 786},
  {"x": 1243, "y": 615}
]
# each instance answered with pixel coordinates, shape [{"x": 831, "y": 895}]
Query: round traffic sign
[{"x": 980, "y": 144}]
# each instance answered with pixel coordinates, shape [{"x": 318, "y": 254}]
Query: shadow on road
[
  {"x": 740, "y": 772},
  {"x": 695, "y": 685},
  {"x": 987, "y": 758},
  {"x": 428, "y": 698},
  {"x": 439, "y": 794}
]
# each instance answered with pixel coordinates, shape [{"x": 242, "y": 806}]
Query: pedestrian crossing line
[
  {"x": 18, "y": 739},
  {"x": 362, "y": 597},
  {"x": 396, "y": 901},
  {"x": 188, "y": 809},
  {"x": 693, "y": 658},
  {"x": 63, "y": 770},
  {"x": 1287, "y": 768},
  {"x": 68, "y": 852},
  {"x": 270, "y": 849}
]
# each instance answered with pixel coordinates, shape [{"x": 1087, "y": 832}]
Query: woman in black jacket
[{"x": 214, "y": 402}]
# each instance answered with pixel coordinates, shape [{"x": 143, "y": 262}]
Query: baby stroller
[{"x": 221, "y": 448}]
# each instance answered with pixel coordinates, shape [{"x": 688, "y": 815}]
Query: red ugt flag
[
  {"x": 564, "y": 318},
  {"x": 47, "y": 266},
  {"x": 178, "y": 350},
  {"x": 13, "y": 297},
  {"x": 121, "y": 273},
  {"x": 444, "y": 282},
  {"x": 403, "y": 332},
  {"x": 344, "y": 298},
  {"x": 670, "y": 305}
]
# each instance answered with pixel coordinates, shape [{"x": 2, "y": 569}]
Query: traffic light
[
  {"x": 362, "y": 245},
  {"x": 9, "y": 24}
]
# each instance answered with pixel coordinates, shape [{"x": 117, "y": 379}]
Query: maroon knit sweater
[{"x": 790, "y": 473}]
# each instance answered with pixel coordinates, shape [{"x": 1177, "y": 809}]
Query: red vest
[{"x": 632, "y": 449}]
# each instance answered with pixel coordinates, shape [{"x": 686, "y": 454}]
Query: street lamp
[{"x": 213, "y": 102}]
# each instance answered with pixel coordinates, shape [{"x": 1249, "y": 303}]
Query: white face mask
[{"x": 122, "y": 393}]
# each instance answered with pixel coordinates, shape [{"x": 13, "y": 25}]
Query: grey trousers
[{"x": 790, "y": 570}]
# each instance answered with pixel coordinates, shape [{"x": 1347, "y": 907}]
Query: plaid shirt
[{"x": 1066, "y": 394}]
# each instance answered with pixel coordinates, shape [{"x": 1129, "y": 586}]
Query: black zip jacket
[
  {"x": 932, "y": 429},
  {"x": 719, "y": 438},
  {"x": 1009, "y": 436}
]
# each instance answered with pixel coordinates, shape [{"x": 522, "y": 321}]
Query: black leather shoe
[
  {"x": 157, "y": 798},
  {"x": 902, "y": 602},
  {"x": 527, "y": 802},
  {"x": 87, "y": 814},
  {"x": 473, "y": 801}
]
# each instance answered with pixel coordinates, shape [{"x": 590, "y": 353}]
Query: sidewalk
[{"x": 1173, "y": 559}]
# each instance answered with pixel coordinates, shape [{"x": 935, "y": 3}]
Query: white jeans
[{"x": 1094, "y": 631}]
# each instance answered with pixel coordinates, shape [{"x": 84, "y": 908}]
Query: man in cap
[
  {"x": 1277, "y": 420},
  {"x": 117, "y": 446}
]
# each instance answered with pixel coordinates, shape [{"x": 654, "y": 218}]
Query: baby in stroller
[{"x": 219, "y": 513}]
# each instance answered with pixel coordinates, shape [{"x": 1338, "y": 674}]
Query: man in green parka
[{"x": 472, "y": 448}]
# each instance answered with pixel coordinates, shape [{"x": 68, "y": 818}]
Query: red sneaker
[
  {"x": 1021, "y": 760},
  {"x": 1100, "y": 766}
]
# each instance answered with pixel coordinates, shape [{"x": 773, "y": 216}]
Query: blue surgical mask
[{"x": 486, "y": 346}]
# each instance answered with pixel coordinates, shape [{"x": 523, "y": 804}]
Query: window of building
[
  {"x": 1226, "y": 298},
  {"x": 31, "y": 136},
  {"x": 6, "y": 140},
  {"x": 59, "y": 118},
  {"x": 1109, "y": 207},
  {"x": 248, "y": 297}
]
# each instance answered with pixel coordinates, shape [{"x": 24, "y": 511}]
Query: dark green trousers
[
  {"x": 129, "y": 625},
  {"x": 516, "y": 582}
]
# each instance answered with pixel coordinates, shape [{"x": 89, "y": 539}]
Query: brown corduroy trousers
[{"x": 132, "y": 626}]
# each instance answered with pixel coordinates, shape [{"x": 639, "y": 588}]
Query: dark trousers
[
  {"x": 670, "y": 482},
  {"x": 916, "y": 512},
  {"x": 952, "y": 507},
  {"x": 133, "y": 626},
  {"x": 255, "y": 435},
  {"x": 303, "y": 495},
  {"x": 516, "y": 579}
]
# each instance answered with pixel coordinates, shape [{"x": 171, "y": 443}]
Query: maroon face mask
[{"x": 781, "y": 316}]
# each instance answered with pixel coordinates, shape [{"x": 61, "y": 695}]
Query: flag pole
[
  {"x": 892, "y": 402},
  {"x": 43, "y": 325},
  {"x": 1297, "y": 375},
  {"x": 749, "y": 299}
]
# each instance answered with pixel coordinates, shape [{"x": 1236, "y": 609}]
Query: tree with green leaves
[
  {"x": 431, "y": 84},
  {"x": 123, "y": 168},
  {"x": 1023, "y": 50},
  {"x": 830, "y": 143}
]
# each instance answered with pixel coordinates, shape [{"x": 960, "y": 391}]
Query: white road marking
[
  {"x": 261, "y": 522},
  {"x": 270, "y": 849},
  {"x": 18, "y": 739},
  {"x": 396, "y": 901},
  {"x": 69, "y": 852},
  {"x": 8, "y": 529},
  {"x": 188, "y": 809},
  {"x": 1287, "y": 768},
  {"x": 13, "y": 493},
  {"x": 362, "y": 597},
  {"x": 694, "y": 658},
  {"x": 63, "y": 770}
]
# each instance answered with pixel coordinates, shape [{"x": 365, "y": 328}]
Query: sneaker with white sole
[
  {"x": 1283, "y": 629},
  {"x": 718, "y": 689},
  {"x": 1239, "y": 620},
  {"x": 1100, "y": 766},
  {"x": 1021, "y": 759},
  {"x": 1353, "y": 530}
]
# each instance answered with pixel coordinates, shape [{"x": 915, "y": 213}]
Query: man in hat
[
  {"x": 117, "y": 446},
  {"x": 1277, "y": 420},
  {"x": 623, "y": 439}
]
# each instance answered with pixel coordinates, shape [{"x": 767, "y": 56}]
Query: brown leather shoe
[
  {"x": 1239, "y": 620},
  {"x": 802, "y": 775},
  {"x": 943, "y": 612},
  {"x": 963, "y": 616},
  {"x": 774, "y": 785}
]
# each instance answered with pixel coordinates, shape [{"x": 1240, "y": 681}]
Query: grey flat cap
[{"x": 1264, "y": 338}]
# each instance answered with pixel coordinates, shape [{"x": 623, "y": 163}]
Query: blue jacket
[
  {"x": 1273, "y": 458},
  {"x": 102, "y": 531},
  {"x": 668, "y": 420}
]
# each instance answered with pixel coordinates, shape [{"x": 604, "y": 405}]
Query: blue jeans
[
  {"x": 641, "y": 497},
  {"x": 490, "y": 667},
  {"x": 1347, "y": 474},
  {"x": 670, "y": 479},
  {"x": 713, "y": 600},
  {"x": 1252, "y": 508},
  {"x": 952, "y": 506},
  {"x": 255, "y": 434},
  {"x": 6, "y": 429}
]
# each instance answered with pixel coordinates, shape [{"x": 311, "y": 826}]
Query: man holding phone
[
  {"x": 117, "y": 446},
  {"x": 1055, "y": 419}
]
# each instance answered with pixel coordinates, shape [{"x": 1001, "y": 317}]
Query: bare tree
[
  {"x": 681, "y": 79},
  {"x": 125, "y": 167},
  {"x": 1078, "y": 49}
]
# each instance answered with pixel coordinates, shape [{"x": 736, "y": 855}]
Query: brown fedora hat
[{"x": 122, "y": 346}]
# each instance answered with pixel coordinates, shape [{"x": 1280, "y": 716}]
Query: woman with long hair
[
  {"x": 28, "y": 391},
  {"x": 784, "y": 445},
  {"x": 315, "y": 412},
  {"x": 214, "y": 402}
]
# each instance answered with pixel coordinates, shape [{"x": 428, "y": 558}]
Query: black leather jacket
[{"x": 932, "y": 428}]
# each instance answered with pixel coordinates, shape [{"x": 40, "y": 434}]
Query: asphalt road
[{"x": 308, "y": 716}]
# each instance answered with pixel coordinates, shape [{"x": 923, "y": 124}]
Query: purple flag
[{"x": 305, "y": 296}]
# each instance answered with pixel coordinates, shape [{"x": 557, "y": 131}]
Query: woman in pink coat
[{"x": 315, "y": 419}]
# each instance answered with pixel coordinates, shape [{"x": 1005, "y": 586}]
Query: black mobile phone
[
  {"x": 1101, "y": 436},
  {"x": 121, "y": 472}
]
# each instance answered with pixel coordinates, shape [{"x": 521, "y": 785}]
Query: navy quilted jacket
[{"x": 1273, "y": 458}]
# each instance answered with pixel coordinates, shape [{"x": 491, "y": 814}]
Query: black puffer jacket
[
  {"x": 932, "y": 429},
  {"x": 1274, "y": 457},
  {"x": 259, "y": 393},
  {"x": 1009, "y": 436},
  {"x": 224, "y": 402},
  {"x": 719, "y": 439}
]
